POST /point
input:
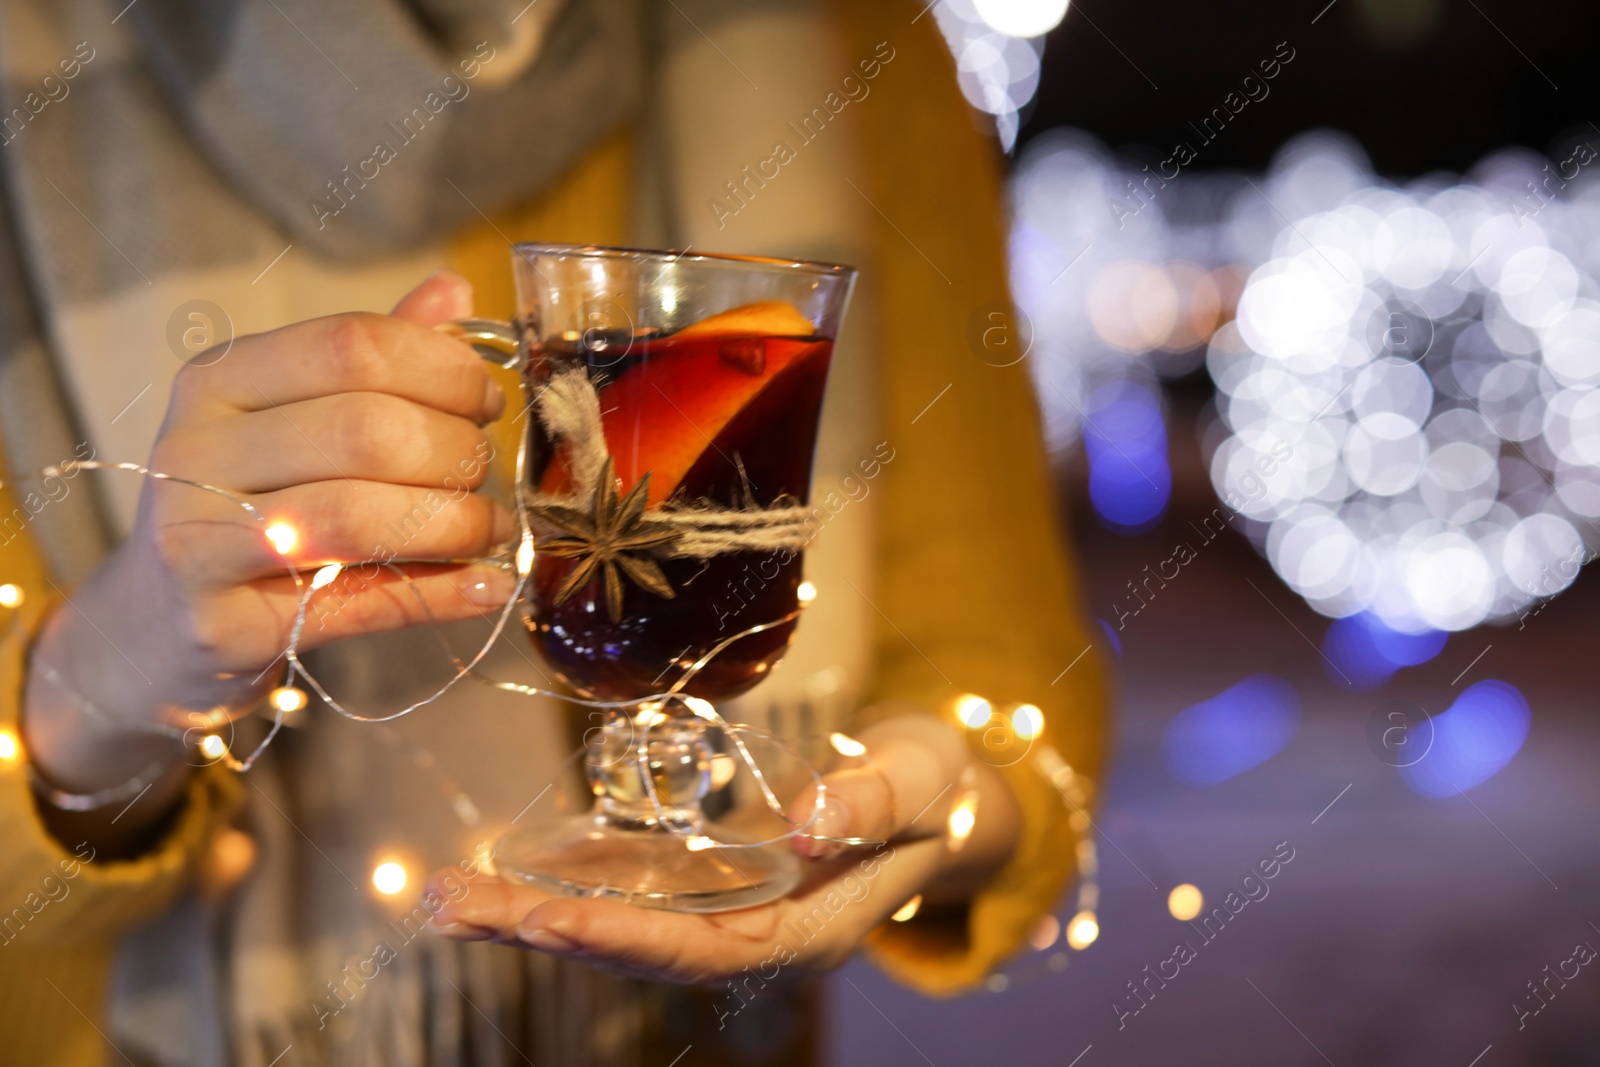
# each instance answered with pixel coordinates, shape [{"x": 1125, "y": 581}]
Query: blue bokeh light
[
  {"x": 1239, "y": 728},
  {"x": 1365, "y": 652},
  {"x": 1125, "y": 439},
  {"x": 1473, "y": 740},
  {"x": 1111, "y": 635}
]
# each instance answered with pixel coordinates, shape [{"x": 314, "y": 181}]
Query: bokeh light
[
  {"x": 525, "y": 550},
  {"x": 846, "y": 745},
  {"x": 723, "y": 769},
  {"x": 1045, "y": 932},
  {"x": 283, "y": 538},
  {"x": 1083, "y": 930},
  {"x": 1028, "y": 721},
  {"x": 1400, "y": 332},
  {"x": 1125, "y": 439},
  {"x": 1185, "y": 902},
  {"x": 1407, "y": 418},
  {"x": 973, "y": 711},
  {"x": 287, "y": 699},
  {"x": 908, "y": 911},
  {"x": 997, "y": 45},
  {"x": 1239, "y": 728},
  {"x": 963, "y": 817},
  {"x": 389, "y": 878},
  {"x": 1365, "y": 652},
  {"x": 1474, "y": 739},
  {"x": 1022, "y": 18}
]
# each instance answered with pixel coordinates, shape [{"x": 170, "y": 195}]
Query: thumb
[
  {"x": 904, "y": 784},
  {"x": 442, "y": 296},
  {"x": 856, "y": 802}
]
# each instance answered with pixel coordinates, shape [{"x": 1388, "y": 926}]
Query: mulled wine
[{"x": 715, "y": 416}]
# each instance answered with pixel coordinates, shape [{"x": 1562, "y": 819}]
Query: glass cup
[{"x": 672, "y": 403}]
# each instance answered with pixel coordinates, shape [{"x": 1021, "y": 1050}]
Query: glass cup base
[{"x": 592, "y": 856}]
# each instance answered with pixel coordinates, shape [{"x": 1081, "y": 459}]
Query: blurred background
[{"x": 1311, "y": 295}]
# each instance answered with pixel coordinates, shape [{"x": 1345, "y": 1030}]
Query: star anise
[{"x": 613, "y": 540}]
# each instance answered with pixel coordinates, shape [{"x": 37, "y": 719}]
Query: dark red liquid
[{"x": 758, "y": 401}]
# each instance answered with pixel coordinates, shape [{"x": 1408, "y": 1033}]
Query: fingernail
[
  {"x": 546, "y": 940},
  {"x": 834, "y": 821},
  {"x": 494, "y": 400},
  {"x": 461, "y": 931},
  {"x": 456, "y": 302},
  {"x": 817, "y": 850},
  {"x": 492, "y": 588}
]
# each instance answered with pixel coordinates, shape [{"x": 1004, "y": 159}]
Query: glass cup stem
[{"x": 651, "y": 750}]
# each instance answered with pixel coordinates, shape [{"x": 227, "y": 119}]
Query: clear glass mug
[{"x": 672, "y": 403}]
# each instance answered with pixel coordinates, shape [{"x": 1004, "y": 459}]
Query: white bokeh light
[
  {"x": 998, "y": 45},
  {"x": 1022, "y": 18},
  {"x": 1427, "y": 355},
  {"x": 1458, "y": 343}
]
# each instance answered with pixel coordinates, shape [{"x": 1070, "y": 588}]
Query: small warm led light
[
  {"x": 10, "y": 747},
  {"x": 213, "y": 747},
  {"x": 326, "y": 575},
  {"x": 11, "y": 595},
  {"x": 1185, "y": 902},
  {"x": 233, "y": 853},
  {"x": 907, "y": 910},
  {"x": 650, "y": 715},
  {"x": 1083, "y": 930},
  {"x": 723, "y": 768},
  {"x": 806, "y": 593},
  {"x": 1028, "y": 721},
  {"x": 1045, "y": 932},
  {"x": 973, "y": 711},
  {"x": 699, "y": 843},
  {"x": 525, "y": 555},
  {"x": 287, "y": 699},
  {"x": 388, "y": 878},
  {"x": 846, "y": 745},
  {"x": 700, "y": 707},
  {"x": 283, "y": 537},
  {"x": 963, "y": 817}
]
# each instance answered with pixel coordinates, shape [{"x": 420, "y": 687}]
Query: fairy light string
[{"x": 283, "y": 538}]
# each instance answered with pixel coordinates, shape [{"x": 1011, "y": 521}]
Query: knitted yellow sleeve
[
  {"x": 49, "y": 894},
  {"x": 976, "y": 589}
]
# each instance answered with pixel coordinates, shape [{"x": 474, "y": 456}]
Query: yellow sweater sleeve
[
  {"x": 976, "y": 588},
  {"x": 50, "y": 897}
]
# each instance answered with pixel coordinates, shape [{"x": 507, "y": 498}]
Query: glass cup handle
[{"x": 496, "y": 341}]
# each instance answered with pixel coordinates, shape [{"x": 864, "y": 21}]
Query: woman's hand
[
  {"x": 361, "y": 432},
  {"x": 916, "y": 770}
]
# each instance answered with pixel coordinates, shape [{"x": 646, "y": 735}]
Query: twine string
[{"x": 569, "y": 408}]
